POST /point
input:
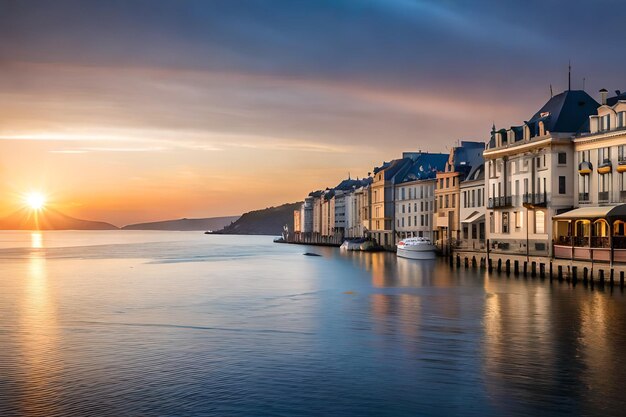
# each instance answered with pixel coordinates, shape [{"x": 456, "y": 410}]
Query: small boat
[
  {"x": 416, "y": 248},
  {"x": 360, "y": 244}
]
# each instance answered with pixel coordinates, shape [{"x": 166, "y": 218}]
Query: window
[
  {"x": 605, "y": 123},
  {"x": 448, "y": 182},
  {"x": 518, "y": 219},
  {"x": 505, "y": 222},
  {"x": 403, "y": 208},
  {"x": 403, "y": 195},
  {"x": 492, "y": 223},
  {"x": 562, "y": 158},
  {"x": 604, "y": 155},
  {"x": 561, "y": 184},
  {"x": 447, "y": 201},
  {"x": 540, "y": 219},
  {"x": 422, "y": 220},
  {"x": 538, "y": 162},
  {"x": 403, "y": 222},
  {"x": 621, "y": 152},
  {"x": 621, "y": 119}
]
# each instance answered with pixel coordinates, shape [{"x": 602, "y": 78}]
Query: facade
[
  {"x": 297, "y": 220},
  {"x": 529, "y": 174},
  {"x": 472, "y": 210},
  {"x": 383, "y": 200},
  {"x": 447, "y": 192},
  {"x": 415, "y": 196},
  {"x": 595, "y": 230}
]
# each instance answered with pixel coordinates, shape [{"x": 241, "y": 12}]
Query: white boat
[{"x": 416, "y": 248}]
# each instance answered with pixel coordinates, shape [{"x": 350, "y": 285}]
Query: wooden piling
[
  {"x": 542, "y": 270},
  {"x": 499, "y": 265},
  {"x": 516, "y": 267},
  {"x": 611, "y": 278},
  {"x": 621, "y": 279},
  {"x": 533, "y": 269},
  {"x": 507, "y": 266},
  {"x": 466, "y": 262},
  {"x": 474, "y": 265},
  {"x": 560, "y": 272},
  {"x": 601, "y": 276},
  {"x": 489, "y": 265},
  {"x": 574, "y": 274},
  {"x": 525, "y": 268}
]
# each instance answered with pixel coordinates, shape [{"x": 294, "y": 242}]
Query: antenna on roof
[
  {"x": 551, "y": 93},
  {"x": 569, "y": 77},
  {"x": 349, "y": 175}
]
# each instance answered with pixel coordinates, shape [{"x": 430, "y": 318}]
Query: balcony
[
  {"x": 536, "y": 199},
  {"x": 500, "y": 202},
  {"x": 603, "y": 197}
]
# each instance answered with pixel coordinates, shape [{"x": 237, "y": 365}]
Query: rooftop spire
[{"x": 569, "y": 77}]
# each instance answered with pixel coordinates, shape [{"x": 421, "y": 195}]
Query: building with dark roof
[
  {"x": 461, "y": 161},
  {"x": 528, "y": 174}
]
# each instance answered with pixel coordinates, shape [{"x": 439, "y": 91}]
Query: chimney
[{"x": 603, "y": 94}]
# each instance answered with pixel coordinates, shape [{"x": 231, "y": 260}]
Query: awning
[
  {"x": 473, "y": 217},
  {"x": 604, "y": 212}
]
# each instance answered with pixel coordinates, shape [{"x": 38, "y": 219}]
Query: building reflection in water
[
  {"x": 550, "y": 344},
  {"x": 40, "y": 363}
]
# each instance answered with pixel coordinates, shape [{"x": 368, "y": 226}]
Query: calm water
[{"x": 172, "y": 324}]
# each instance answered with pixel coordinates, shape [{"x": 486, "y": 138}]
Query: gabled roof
[{"x": 567, "y": 112}]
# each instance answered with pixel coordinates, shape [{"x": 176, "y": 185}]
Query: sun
[{"x": 35, "y": 200}]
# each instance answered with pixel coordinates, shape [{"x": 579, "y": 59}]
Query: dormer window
[
  {"x": 542, "y": 129},
  {"x": 605, "y": 123},
  {"x": 621, "y": 119}
]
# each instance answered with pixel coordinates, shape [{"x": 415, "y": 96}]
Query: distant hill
[
  {"x": 269, "y": 221},
  {"x": 49, "y": 219},
  {"x": 210, "y": 223}
]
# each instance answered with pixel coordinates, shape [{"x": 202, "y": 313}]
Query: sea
[{"x": 134, "y": 323}]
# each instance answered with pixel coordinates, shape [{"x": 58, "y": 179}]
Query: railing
[
  {"x": 622, "y": 196},
  {"x": 583, "y": 197},
  {"x": 499, "y": 202},
  {"x": 603, "y": 196},
  {"x": 621, "y": 159},
  {"x": 537, "y": 199}
]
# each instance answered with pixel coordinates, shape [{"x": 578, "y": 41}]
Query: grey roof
[
  {"x": 467, "y": 156},
  {"x": 425, "y": 166},
  {"x": 566, "y": 112},
  {"x": 612, "y": 101},
  {"x": 350, "y": 184}
]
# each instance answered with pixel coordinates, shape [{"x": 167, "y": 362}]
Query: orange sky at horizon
[{"x": 149, "y": 145}]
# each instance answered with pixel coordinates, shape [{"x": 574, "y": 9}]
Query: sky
[{"x": 129, "y": 111}]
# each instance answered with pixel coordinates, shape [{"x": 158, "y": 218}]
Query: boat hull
[{"x": 420, "y": 252}]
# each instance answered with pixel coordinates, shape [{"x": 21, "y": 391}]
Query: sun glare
[{"x": 35, "y": 201}]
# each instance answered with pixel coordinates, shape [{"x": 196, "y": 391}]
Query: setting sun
[{"x": 35, "y": 200}]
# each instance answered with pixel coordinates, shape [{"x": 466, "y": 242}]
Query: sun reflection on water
[{"x": 40, "y": 360}]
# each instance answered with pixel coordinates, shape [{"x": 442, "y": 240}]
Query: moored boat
[{"x": 416, "y": 248}]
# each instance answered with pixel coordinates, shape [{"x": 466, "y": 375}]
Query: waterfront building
[
  {"x": 472, "y": 209},
  {"x": 307, "y": 215},
  {"x": 383, "y": 201},
  {"x": 529, "y": 174},
  {"x": 297, "y": 219},
  {"x": 344, "y": 217},
  {"x": 328, "y": 213},
  {"x": 595, "y": 230},
  {"x": 447, "y": 191},
  {"x": 363, "y": 209},
  {"x": 415, "y": 197}
]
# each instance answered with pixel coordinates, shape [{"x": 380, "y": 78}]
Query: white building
[
  {"x": 529, "y": 174},
  {"x": 415, "y": 202},
  {"x": 596, "y": 229},
  {"x": 472, "y": 209}
]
